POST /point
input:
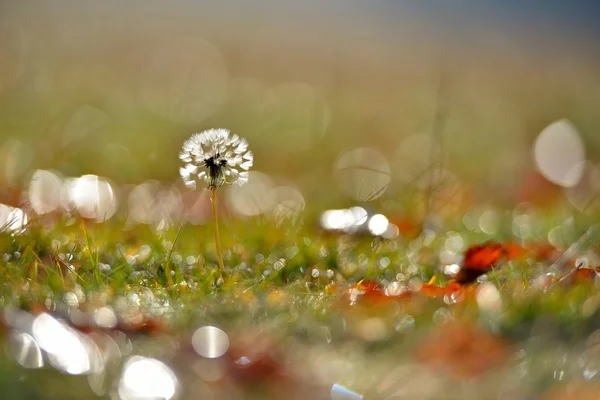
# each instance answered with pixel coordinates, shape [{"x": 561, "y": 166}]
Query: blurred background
[
  {"x": 339, "y": 100},
  {"x": 458, "y": 108}
]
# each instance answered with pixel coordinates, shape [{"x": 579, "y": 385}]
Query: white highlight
[
  {"x": 559, "y": 154},
  {"x": 25, "y": 350},
  {"x": 254, "y": 198},
  {"x": 378, "y": 224},
  {"x": 12, "y": 219},
  {"x": 44, "y": 191},
  {"x": 210, "y": 342},
  {"x": 147, "y": 378},
  {"x": 152, "y": 203},
  {"x": 93, "y": 197},
  {"x": 347, "y": 220},
  {"x": 488, "y": 298},
  {"x": 68, "y": 350}
]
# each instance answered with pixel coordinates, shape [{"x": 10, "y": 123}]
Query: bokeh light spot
[
  {"x": 378, "y": 224},
  {"x": 210, "y": 342},
  {"x": 559, "y": 153},
  {"x": 147, "y": 378},
  {"x": 45, "y": 191}
]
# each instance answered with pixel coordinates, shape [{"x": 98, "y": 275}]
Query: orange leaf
[
  {"x": 367, "y": 286},
  {"x": 371, "y": 292},
  {"x": 431, "y": 290},
  {"x": 514, "y": 251},
  {"x": 585, "y": 275},
  {"x": 483, "y": 257}
]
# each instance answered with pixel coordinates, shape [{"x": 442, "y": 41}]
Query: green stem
[{"x": 217, "y": 236}]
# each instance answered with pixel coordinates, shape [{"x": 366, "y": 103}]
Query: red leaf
[
  {"x": 479, "y": 259},
  {"x": 483, "y": 257},
  {"x": 585, "y": 275}
]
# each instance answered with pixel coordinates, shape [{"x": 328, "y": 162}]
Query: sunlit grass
[{"x": 292, "y": 284}]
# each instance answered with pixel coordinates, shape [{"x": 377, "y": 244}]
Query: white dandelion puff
[{"x": 217, "y": 157}]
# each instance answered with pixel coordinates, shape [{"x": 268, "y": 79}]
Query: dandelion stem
[{"x": 217, "y": 236}]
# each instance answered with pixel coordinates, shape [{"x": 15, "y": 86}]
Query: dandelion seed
[{"x": 216, "y": 157}]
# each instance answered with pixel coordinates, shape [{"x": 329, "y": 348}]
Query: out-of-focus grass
[{"x": 289, "y": 295}]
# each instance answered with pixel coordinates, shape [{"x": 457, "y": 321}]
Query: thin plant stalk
[{"x": 217, "y": 236}]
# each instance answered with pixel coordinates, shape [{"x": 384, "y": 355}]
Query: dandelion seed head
[{"x": 217, "y": 157}]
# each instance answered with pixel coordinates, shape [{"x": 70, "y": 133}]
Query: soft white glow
[
  {"x": 451, "y": 269},
  {"x": 454, "y": 243},
  {"x": 372, "y": 329},
  {"x": 489, "y": 222},
  {"x": 584, "y": 195},
  {"x": 12, "y": 219},
  {"x": 522, "y": 225},
  {"x": 68, "y": 350},
  {"x": 44, "y": 191},
  {"x": 289, "y": 202},
  {"x": 147, "y": 378},
  {"x": 197, "y": 205},
  {"x": 152, "y": 203},
  {"x": 378, "y": 224},
  {"x": 394, "y": 288},
  {"x": 210, "y": 342},
  {"x": 488, "y": 298},
  {"x": 359, "y": 215},
  {"x": 334, "y": 219},
  {"x": 25, "y": 350},
  {"x": 348, "y": 220},
  {"x": 255, "y": 197},
  {"x": 559, "y": 153},
  {"x": 105, "y": 317},
  {"x": 92, "y": 197},
  {"x": 391, "y": 232}
]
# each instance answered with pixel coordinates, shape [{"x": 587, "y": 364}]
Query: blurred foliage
[{"x": 116, "y": 96}]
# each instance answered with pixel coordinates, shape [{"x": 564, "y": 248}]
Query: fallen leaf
[
  {"x": 431, "y": 290},
  {"x": 585, "y": 275},
  {"x": 479, "y": 259},
  {"x": 370, "y": 292},
  {"x": 483, "y": 257},
  {"x": 463, "y": 350}
]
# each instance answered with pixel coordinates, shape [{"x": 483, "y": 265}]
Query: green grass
[{"x": 286, "y": 303}]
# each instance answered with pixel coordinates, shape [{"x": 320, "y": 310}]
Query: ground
[{"x": 301, "y": 312}]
